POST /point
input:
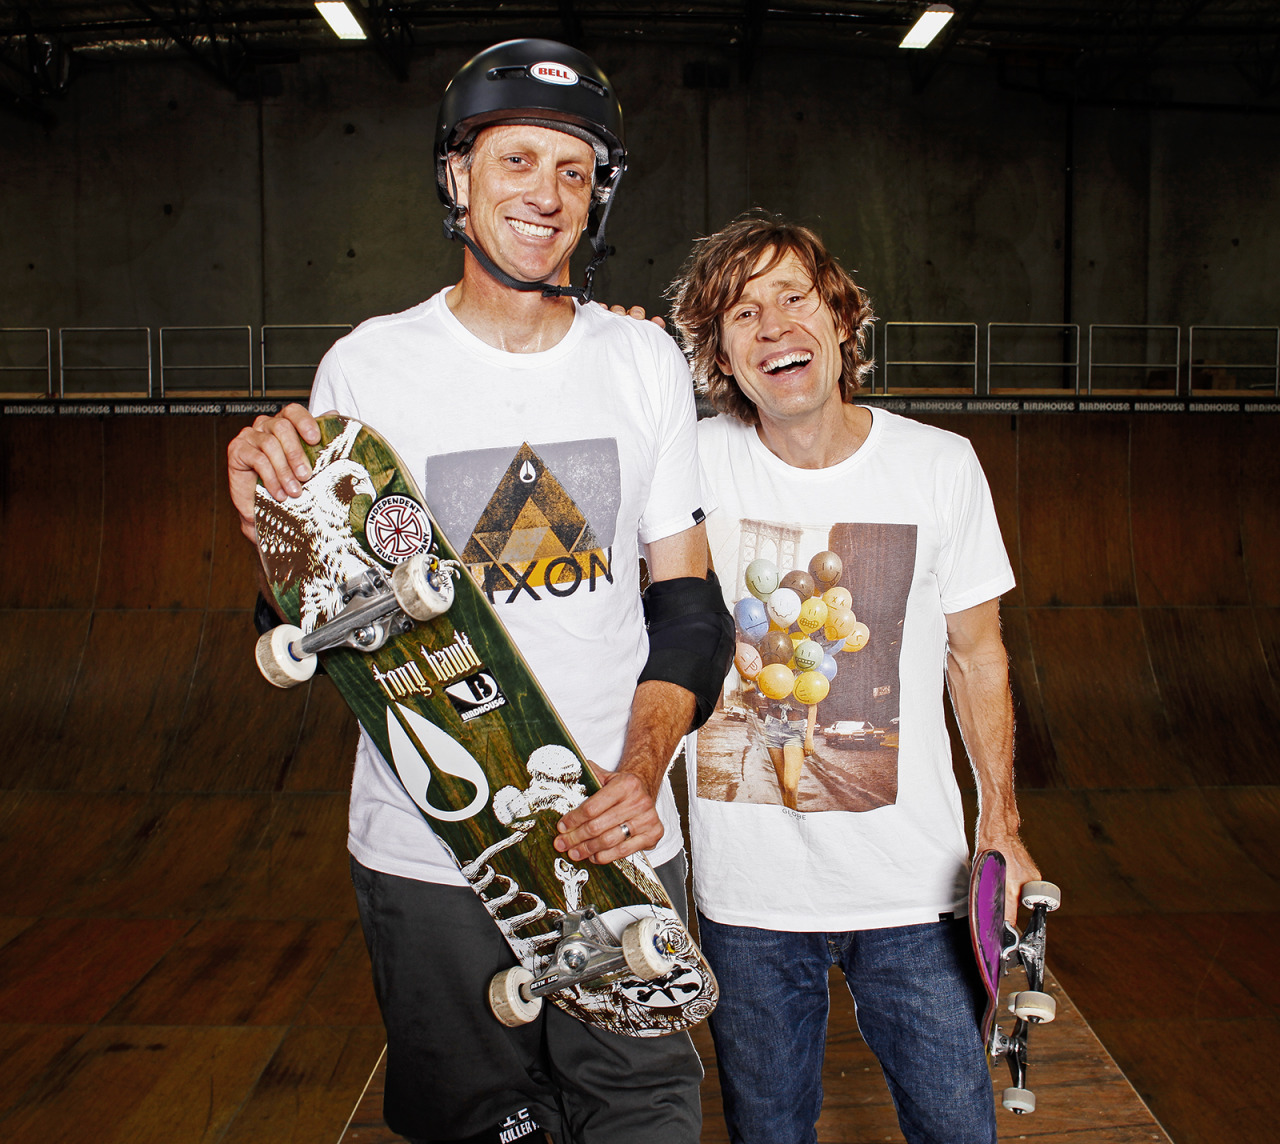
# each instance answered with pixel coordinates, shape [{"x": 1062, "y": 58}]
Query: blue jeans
[{"x": 919, "y": 1002}]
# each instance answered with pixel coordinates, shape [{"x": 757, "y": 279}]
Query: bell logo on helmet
[{"x": 549, "y": 72}]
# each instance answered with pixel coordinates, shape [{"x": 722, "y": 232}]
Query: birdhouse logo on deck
[
  {"x": 475, "y": 695},
  {"x": 396, "y": 528},
  {"x": 550, "y": 72}
]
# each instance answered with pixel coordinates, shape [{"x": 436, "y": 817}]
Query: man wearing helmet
[{"x": 551, "y": 438}]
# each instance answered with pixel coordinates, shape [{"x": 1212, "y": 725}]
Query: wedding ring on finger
[{"x": 626, "y": 830}]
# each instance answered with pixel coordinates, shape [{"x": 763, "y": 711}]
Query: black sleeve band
[{"x": 690, "y": 638}]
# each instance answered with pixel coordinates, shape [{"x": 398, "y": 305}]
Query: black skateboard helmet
[{"x": 546, "y": 84}]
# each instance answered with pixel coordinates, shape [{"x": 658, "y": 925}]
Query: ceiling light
[
  {"x": 340, "y": 18},
  {"x": 923, "y": 31}
]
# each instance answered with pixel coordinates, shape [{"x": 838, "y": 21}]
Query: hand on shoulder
[{"x": 637, "y": 312}]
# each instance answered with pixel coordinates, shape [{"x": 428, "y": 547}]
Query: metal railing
[
  {"x": 170, "y": 368},
  {"x": 46, "y": 369},
  {"x": 1227, "y": 367},
  {"x": 1070, "y": 333},
  {"x": 1147, "y": 368},
  {"x": 969, "y": 363},
  {"x": 310, "y": 365},
  {"x": 115, "y": 368},
  {"x": 91, "y": 361}
]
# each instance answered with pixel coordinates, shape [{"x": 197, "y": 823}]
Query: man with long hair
[{"x": 870, "y": 542}]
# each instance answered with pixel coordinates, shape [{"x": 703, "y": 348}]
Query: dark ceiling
[{"x": 1072, "y": 49}]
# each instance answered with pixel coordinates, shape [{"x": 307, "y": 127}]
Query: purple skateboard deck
[
  {"x": 996, "y": 945},
  {"x": 987, "y": 928}
]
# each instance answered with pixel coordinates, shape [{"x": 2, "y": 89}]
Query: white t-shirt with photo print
[{"x": 877, "y": 838}]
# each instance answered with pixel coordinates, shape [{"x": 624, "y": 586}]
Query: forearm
[
  {"x": 661, "y": 713},
  {"x": 978, "y": 680},
  {"x": 622, "y": 817},
  {"x": 983, "y": 705}
]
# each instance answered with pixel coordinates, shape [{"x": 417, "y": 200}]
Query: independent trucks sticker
[{"x": 396, "y": 528}]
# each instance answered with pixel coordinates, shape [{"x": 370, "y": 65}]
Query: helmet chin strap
[
  {"x": 546, "y": 289},
  {"x": 453, "y": 229}
]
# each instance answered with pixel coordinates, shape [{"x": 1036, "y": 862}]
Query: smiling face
[
  {"x": 528, "y": 192},
  {"x": 781, "y": 343}
]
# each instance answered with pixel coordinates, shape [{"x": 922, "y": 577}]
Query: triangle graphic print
[{"x": 529, "y": 517}]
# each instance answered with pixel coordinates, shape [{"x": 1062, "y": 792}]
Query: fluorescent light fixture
[
  {"x": 923, "y": 31},
  {"x": 339, "y": 18}
]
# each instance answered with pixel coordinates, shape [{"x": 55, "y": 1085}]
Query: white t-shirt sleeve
[
  {"x": 676, "y": 494},
  {"x": 330, "y": 390},
  {"x": 973, "y": 566}
]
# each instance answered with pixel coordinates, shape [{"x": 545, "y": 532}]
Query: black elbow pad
[{"x": 690, "y": 638}]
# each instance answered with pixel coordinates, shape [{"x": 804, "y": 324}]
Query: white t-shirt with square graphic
[
  {"x": 874, "y": 841},
  {"x": 608, "y": 413}
]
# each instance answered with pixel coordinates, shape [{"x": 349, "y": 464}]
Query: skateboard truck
[
  {"x": 586, "y": 954},
  {"x": 1031, "y": 1006},
  {"x": 374, "y": 610}
]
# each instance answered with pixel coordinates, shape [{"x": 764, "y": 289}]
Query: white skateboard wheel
[
  {"x": 1041, "y": 893},
  {"x": 277, "y": 661},
  {"x": 1021, "y": 1100},
  {"x": 416, "y": 594},
  {"x": 1030, "y": 1005},
  {"x": 640, "y": 947},
  {"x": 507, "y": 998}
]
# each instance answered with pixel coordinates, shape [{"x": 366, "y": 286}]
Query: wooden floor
[
  {"x": 179, "y": 957},
  {"x": 1082, "y": 1096}
]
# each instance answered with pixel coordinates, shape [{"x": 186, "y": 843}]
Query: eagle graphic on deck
[{"x": 308, "y": 537}]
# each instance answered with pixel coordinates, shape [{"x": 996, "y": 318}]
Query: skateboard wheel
[
  {"x": 1019, "y": 1100},
  {"x": 276, "y": 660},
  {"x": 1041, "y": 894},
  {"x": 415, "y": 590},
  {"x": 1030, "y": 1005},
  {"x": 507, "y": 998},
  {"x": 640, "y": 947}
]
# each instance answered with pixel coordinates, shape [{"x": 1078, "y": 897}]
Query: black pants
[{"x": 454, "y": 1073}]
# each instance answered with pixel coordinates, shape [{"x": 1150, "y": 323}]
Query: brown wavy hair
[{"x": 713, "y": 278}]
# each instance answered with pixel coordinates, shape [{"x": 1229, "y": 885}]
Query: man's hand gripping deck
[
  {"x": 997, "y": 945},
  {"x": 371, "y": 588}
]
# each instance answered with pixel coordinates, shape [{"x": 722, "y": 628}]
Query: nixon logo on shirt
[
  {"x": 561, "y": 576},
  {"x": 540, "y": 521}
]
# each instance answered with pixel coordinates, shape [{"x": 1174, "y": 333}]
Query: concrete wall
[{"x": 159, "y": 199}]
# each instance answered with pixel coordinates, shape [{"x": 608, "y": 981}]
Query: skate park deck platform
[{"x": 179, "y": 956}]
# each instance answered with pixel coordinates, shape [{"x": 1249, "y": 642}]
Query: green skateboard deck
[{"x": 455, "y": 711}]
